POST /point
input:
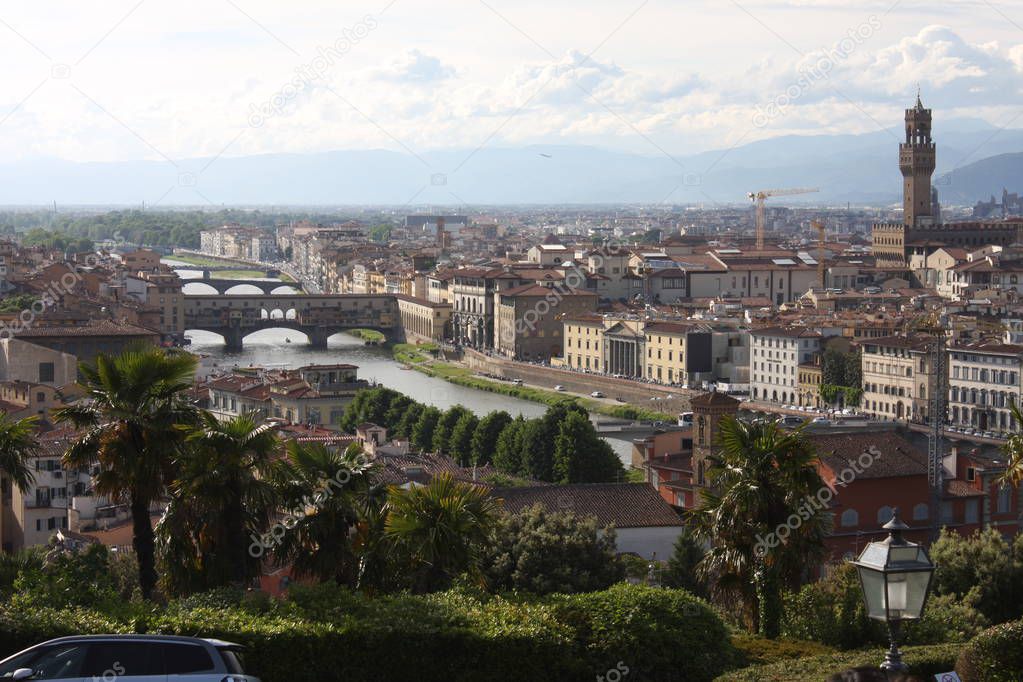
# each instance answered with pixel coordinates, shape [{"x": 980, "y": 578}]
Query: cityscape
[{"x": 613, "y": 367}]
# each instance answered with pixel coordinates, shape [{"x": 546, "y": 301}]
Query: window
[
  {"x": 971, "y": 473},
  {"x": 182, "y": 659},
  {"x": 49, "y": 663},
  {"x": 850, "y": 518},
  {"x": 972, "y": 511},
  {"x": 884, "y": 515},
  {"x": 1004, "y": 499},
  {"x": 133, "y": 658},
  {"x": 921, "y": 512},
  {"x": 46, "y": 372}
]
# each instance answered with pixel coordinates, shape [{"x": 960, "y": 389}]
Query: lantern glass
[{"x": 874, "y": 592}]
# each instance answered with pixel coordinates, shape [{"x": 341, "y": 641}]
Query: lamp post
[{"x": 895, "y": 576}]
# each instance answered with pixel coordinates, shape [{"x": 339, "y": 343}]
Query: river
[{"x": 271, "y": 348}]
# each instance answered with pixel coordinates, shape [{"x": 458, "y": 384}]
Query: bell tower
[
  {"x": 917, "y": 161},
  {"x": 708, "y": 410}
]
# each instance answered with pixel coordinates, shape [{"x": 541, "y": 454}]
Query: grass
[
  {"x": 368, "y": 335},
  {"x": 417, "y": 357},
  {"x": 239, "y": 274}
]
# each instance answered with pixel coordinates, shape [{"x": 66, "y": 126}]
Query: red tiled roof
[{"x": 625, "y": 505}]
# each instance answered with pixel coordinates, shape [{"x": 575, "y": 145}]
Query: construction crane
[
  {"x": 819, "y": 226},
  {"x": 935, "y": 324},
  {"x": 758, "y": 200}
]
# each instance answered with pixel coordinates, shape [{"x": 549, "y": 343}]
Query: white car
[
  {"x": 127, "y": 658},
  {"x": 821, "y": 421},
  {"x": 597, "y": 394},
  {"x": 559, "y": 387}
]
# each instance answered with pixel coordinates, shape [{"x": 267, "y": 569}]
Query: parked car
[
  {"x": 559, "y": 387},
  {"x": 517, "y": 382},
  {"x": 128, "y": 658},
  {"x": 821, "y": 421},
  {"x": 597, "y": 394}
]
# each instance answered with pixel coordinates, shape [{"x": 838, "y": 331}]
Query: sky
[{"x": 119, "y": 80}]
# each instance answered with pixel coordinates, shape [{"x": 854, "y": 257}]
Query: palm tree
[
  {"x": 17, "y": 446},
  {"x": 222, "y": 497},
  {"x": 761, "y": 478},
  {"x": 439, "y": 529},
  {"x": 135, "y": 404},
  {"x": 322, "y": 492},
  {"x": 1013, "y": 448}
]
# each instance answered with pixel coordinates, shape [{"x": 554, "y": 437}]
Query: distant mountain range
[{"x": 975, "y": 160}]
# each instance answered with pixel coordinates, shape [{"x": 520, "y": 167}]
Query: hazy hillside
[
  {"x": 854, "y": 168},
  {"x": 982, "y": 179}
]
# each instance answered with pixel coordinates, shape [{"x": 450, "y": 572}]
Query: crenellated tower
[{"x": 917, "y": 161}]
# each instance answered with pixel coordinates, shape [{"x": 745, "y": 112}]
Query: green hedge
[
  {"x": 325, "y": 633},
  {"x": 762, "y": 651},
  {"x": 924, "y": 661},
  {"x": 995, "y": 655}
]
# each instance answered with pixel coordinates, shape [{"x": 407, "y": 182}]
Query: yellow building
[
  {"x": 898, "y": 377},
  {"x": 808, "y": 390},
  {"x": 584, "y": 342},
  {"x": 665, "y": 360}
]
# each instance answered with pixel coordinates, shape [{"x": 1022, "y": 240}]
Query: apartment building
[
  {"x": 528, "y": 319},
  {"x": 32, "y": 516},
  {"x": 314, "y": 395},
  {"x": 898, "y": 377},
  {"x": 984, "y": 382},
  {"x": 666, "y": 344},
  {"x": 584, "y": 342},
  {"x": 775, "y": 356}
]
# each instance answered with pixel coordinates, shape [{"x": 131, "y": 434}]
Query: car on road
[
  {"x": 790, "y": 420},
  {"x": 821, "y": 421},
  {"x": 517, "y": 382},
  {"x": 559, "y": 387},
  {"x": 128, "y": 658},
  {"x": 685, "y": 419},
  {"x": 597, "y": 394}
]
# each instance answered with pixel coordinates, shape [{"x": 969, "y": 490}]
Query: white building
[
  {"x": 775, "y": 356},
  {"x": 984, "y": 382}
]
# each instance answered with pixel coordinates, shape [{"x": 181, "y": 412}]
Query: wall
[{"x": 646, "y": 541}]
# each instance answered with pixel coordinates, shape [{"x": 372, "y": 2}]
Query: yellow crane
[
  {"x": 819, "y": 226},
  {"x": 758, "y": 199}
]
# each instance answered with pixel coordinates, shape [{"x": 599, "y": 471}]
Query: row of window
[{"x": 1003, "y": 377}]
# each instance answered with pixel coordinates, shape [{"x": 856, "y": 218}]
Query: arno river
[{"x": 271, "y": 348}]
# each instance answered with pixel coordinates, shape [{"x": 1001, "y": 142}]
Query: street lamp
[{"x": 895, "y": 576}]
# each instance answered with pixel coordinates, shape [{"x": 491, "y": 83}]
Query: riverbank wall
[{"x": 669, "y": 399}]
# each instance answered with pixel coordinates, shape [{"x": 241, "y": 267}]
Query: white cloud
[{"x": 184, "y": 79}]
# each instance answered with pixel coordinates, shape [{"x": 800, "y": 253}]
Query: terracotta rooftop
[{"x": 625, "y": 505}]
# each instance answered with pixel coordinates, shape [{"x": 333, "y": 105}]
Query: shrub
[
  {"x": 831, "y": 612},
  {"x": 985, "y": 561},
  {"x": 762, "y": 651},
  {"x": 325, "y": 633},
  {"x": 995, "y": 655},
  {"x": 544, "y": 552},
  {"x": 923, "y": 661},
  {"x": 659, "y": 634},
  {"x": 948, "y": 618}
]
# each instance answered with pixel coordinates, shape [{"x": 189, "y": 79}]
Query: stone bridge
[
  {"x": 317, "y": 316},
  {"x": 207, "y": 269},
  {"x": 224, "y": 285}
]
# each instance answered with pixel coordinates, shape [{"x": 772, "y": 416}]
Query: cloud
[{"x": 414, "y": 67}]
